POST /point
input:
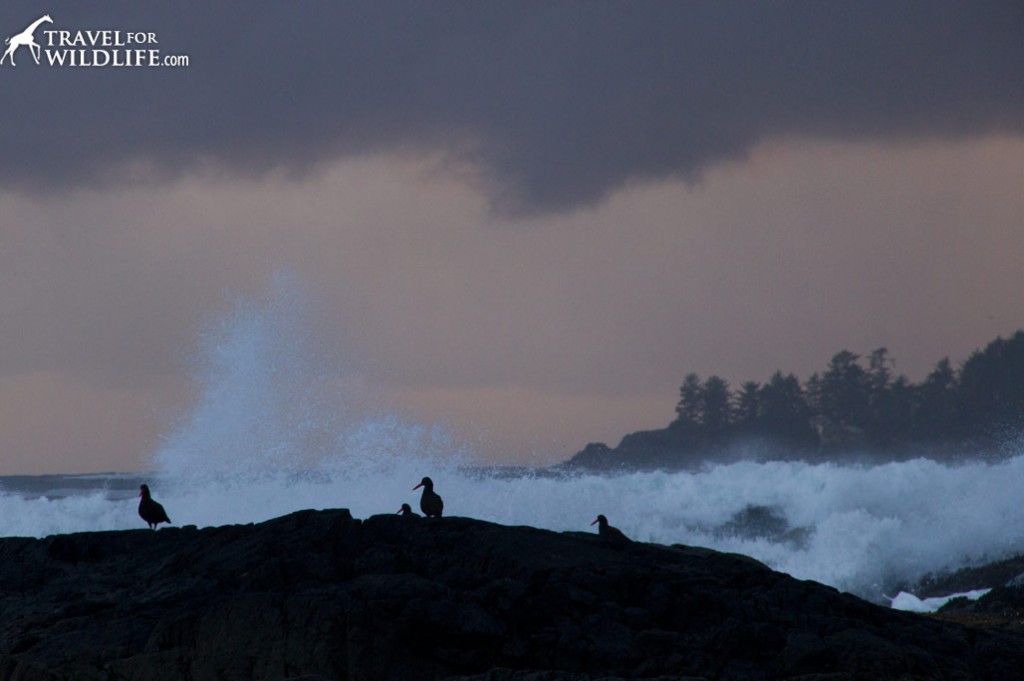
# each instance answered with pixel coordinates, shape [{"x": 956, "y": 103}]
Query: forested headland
[{"x": 857, "y": 407}]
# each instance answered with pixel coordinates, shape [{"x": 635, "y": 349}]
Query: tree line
[{"x": 859, "y": 403}]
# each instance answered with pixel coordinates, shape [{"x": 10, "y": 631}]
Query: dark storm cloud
[{"x": 550, "y": 105}]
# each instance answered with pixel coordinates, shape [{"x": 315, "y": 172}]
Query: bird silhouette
[
  {"x": 149, "y": 510},
  {"x": 430, "y": 502},
  {"x": 406, "y": 510},
  {"x": 607, "y": 531}
]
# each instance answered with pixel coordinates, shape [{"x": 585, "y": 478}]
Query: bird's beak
[
  {"x": 398, "y": 511},
  {"x": 417, "y": 487},
  {"x": 595, "y": 522}
]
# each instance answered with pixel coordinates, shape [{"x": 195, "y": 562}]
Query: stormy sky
[{"x": 524, "y": 220}]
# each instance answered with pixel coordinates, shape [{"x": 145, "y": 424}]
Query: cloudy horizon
[{"x": 524, "y": 221}]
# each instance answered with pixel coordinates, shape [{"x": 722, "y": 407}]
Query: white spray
[{"x": 267, "y": 437}]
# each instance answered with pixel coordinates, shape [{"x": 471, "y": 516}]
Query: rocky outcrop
[
  {"x": 1002, "y": 608},
  {"x": 319, "y": 596},
  {"x": 674, "y": 449}
]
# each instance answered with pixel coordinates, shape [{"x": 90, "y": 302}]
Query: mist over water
[
  {"x": 279, "y": 427},
  {"x": 272, "y": 432}
]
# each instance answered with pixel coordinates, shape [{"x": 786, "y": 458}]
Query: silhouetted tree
[
  {"x": 892, "y": 415},
  {"x": 991, "y": 391},
  {"x": 748, "y": 409},
  {"x": 844, "y": 401},
  {"x": 716, "y": 407},
  {"x": 891, "y": 403},
  {"x": 785, "y": 415},
  {"x": 850, "y": 406},
  {"x": 812, "y": 392},
  {"x": 689, "y": 407},
  {"x": 937, "y": 416},
  {"x": 879, "y": 374}
]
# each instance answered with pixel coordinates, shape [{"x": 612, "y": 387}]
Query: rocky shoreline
[{"x": 318, "y": 595}]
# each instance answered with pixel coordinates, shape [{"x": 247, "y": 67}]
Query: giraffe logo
[{"x": 26, "y": 38}]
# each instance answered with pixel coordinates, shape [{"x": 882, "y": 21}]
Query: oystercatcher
[
  {"x": 149, "y": 510},
  {"x": 607, "y": 531},
  {"x": 430, "y": 502}
]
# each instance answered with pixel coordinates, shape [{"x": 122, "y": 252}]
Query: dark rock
[
  {"x": 319, "y": 596},
  {"x": 1005, "y": 572},
  {"x": 756, "y": 522}
]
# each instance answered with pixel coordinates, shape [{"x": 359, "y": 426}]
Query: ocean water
[
  {"x": 267, "y": 436},
  {"x": 867, "y": 530}
]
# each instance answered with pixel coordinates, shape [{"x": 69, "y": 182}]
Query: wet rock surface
[{"x": 318, "y": 596}]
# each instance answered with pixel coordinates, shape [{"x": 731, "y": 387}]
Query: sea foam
[
  {"x": 267, "y": 436},
  {"x": 868, "y": 530}
]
